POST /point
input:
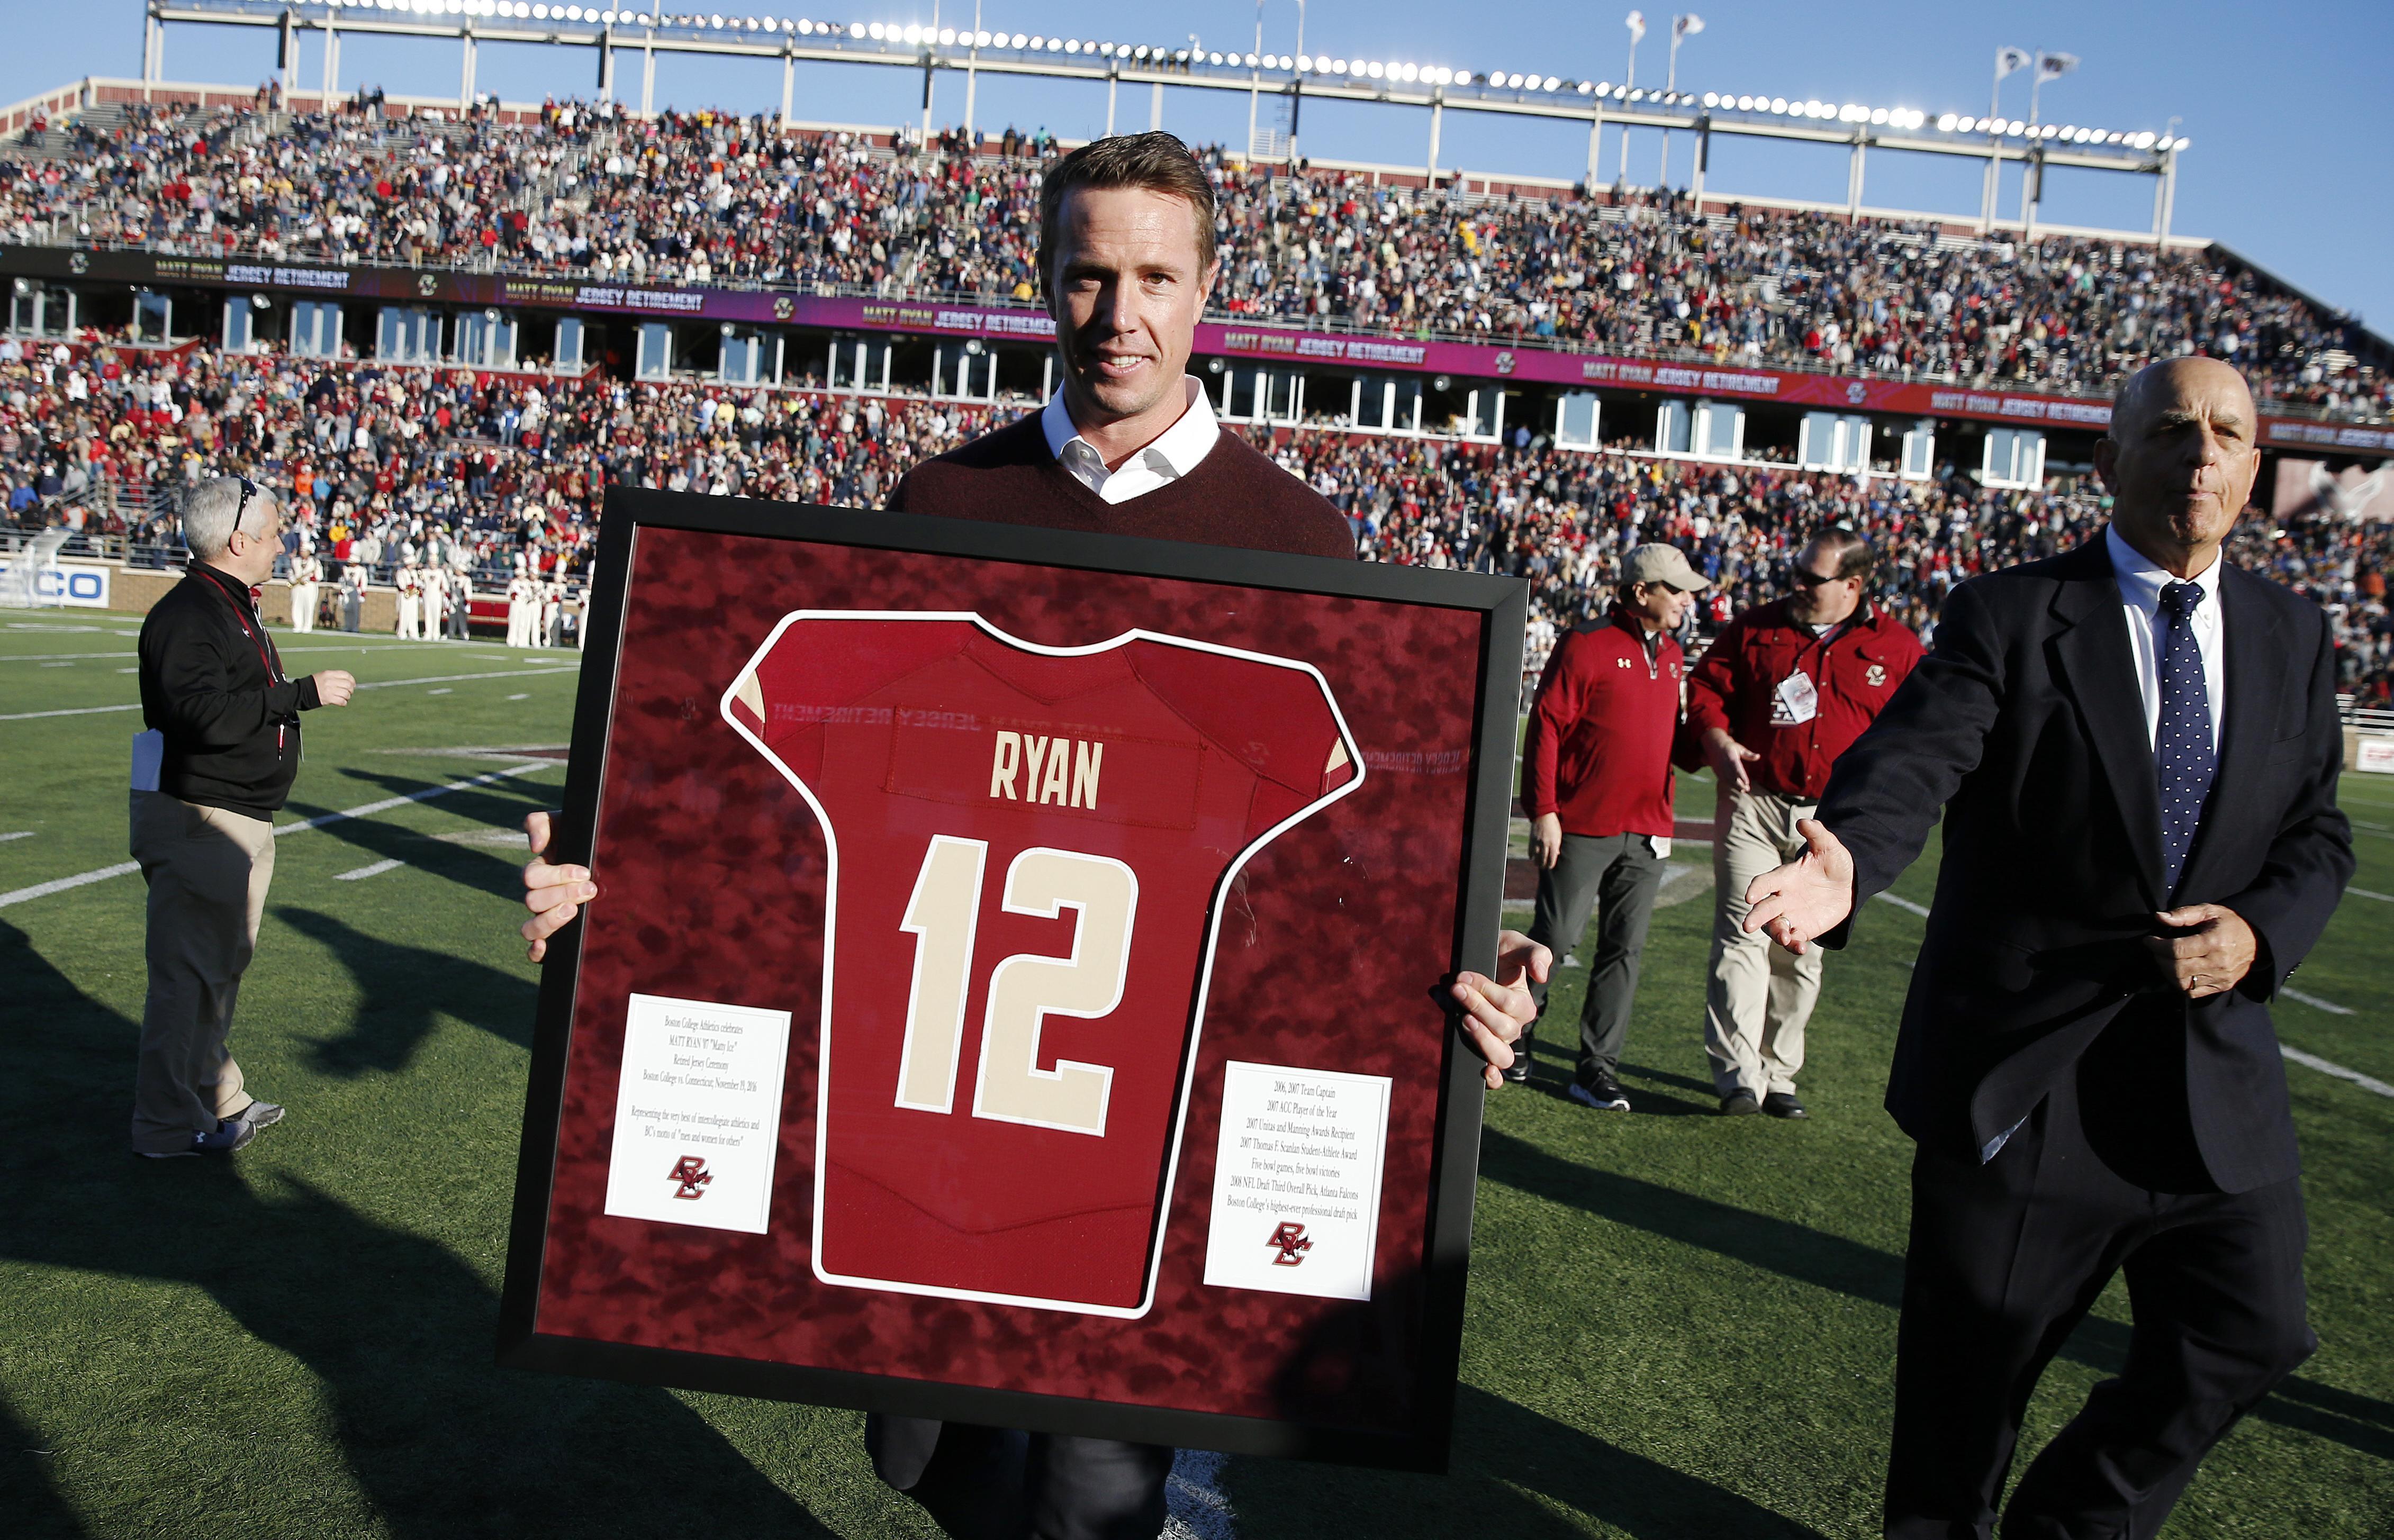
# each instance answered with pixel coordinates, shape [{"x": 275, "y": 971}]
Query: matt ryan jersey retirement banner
[{"x": 1015, "y": 992}]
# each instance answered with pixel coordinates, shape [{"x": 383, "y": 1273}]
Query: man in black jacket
[
  {"x": 215, "y": 765},
  {"x": 2135, "y": 747}
]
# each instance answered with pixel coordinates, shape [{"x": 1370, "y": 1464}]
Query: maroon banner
[{"x": 1265, "y": 342}]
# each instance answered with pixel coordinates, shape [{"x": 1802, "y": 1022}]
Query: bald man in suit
[{"x": 2134, "y": 746}]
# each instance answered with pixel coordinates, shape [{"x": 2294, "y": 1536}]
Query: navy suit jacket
[{"x": 2025, "y": 726}]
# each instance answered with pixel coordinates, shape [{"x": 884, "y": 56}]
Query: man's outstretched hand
[
  {"x": 1496, "y": 1011},
  {"x": 554, "y": 894},
  {"x": 1809, "y": 896}
]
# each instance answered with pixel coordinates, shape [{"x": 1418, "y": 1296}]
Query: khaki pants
[
  {"x": 208, "y": 871},
  {"x": 1759, "y": 996}
]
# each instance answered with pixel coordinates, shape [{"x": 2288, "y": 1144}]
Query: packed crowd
[
  {"x": 393, "y": 460},
  {"x": 702, "y": 198},
  {"x": 1561, "y": 518},
  {"x": 397, "y": 462}
]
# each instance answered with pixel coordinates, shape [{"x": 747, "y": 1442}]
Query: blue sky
[{"x": 2285, "y": 109}]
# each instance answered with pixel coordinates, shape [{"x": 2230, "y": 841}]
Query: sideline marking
[
  {"x": 44, "y": 889},
  {"x": 2315, "y": 1001},
  {"x": 2313, "y": 1061},
  {"x": 2382, "y": 898},
  {"x": 1905, "y": 904},
  {"x": 377, "y": 869},
  {"x": 376, "y": 684},
  {"x": 20, "y": 834}
]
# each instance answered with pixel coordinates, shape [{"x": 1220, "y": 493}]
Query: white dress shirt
[
  {"x": 2140, "y": 583},
  {"x": 1173, "y": 454}
]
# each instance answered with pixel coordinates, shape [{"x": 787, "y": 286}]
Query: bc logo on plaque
[
  {"x": 1297, "y": 1181},
  {"x": 698, "y": 1114}
]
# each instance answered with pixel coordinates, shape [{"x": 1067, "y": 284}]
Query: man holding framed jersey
[{"x": 1128, "y": 445}]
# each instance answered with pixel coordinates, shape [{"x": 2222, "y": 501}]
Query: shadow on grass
[
  {"x": 1503, "y": 1454},
  {"x": 1647, "y": 1102},
  {"x": 396, "y": 1328},
  {"x": 28, "y": 1495},
  {"x": 401, "y": 993},
  {"x": 485, "y": 869},
  {"x": 1832, "y": 1262}
]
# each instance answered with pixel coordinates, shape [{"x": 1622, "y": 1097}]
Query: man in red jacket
[
  {"x": 1596, "y": 781},
  {"x": 1782, "y": 692}
]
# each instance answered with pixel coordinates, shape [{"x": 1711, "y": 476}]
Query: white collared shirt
[
  {"x": 2140, "y": 583},
  {"x": 1173, "y": 454}
]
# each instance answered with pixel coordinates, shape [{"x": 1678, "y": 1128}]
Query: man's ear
[
  {"x": 2107, "y": 460},
  {"x": 1205, "y": 284}
]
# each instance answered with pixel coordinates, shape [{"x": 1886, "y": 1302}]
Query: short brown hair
[
  {"x": 1156, "y": 161},
  {"x": 1853, "y": 549}
]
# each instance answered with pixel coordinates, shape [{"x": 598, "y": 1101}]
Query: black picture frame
[{"x": 1502, "y": 604}]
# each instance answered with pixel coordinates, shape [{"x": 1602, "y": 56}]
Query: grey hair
[{"x": 209, "y": 513}]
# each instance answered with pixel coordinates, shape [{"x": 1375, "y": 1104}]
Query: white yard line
[
  {"x": 286, "y": 652},
  {"x": 59, "y": 885},
  {"x": 1905, "y": 904},
  {"x": 2363, "y": 892},
  {"x": 376, "y": 870},
  {"x": 2316, "y": 1003},
  {"x": 44, "y": 889},
  {"x": 77, "y": 711},
  {"x": 373, "y": 684},
  {"x": 20, "y": 834},
  {"x": 2313, "y": 1061}
]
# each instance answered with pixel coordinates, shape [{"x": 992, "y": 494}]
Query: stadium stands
[
  {"x": 705, "y": 199},
  {"x": 388, "y": 458}
]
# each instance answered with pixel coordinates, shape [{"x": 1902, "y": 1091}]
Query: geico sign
[{"x": 85, "y": 588}]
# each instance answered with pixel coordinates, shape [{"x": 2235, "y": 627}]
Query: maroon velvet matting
[{"x": 710, "y": 868}]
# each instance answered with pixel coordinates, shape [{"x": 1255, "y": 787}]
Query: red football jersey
[{"x": 1028, "y": 848}]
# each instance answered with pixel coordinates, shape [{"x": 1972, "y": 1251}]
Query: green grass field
[{"x": 1680, "y": 1325}]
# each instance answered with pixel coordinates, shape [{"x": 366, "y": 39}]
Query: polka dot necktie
[{"x": 2182, "y": 752}]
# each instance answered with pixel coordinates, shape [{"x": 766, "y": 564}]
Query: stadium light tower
[
  {"x": 1682, "y": 27},
  {"x": 2048, "y": 66},
  {"x": 2008, "y": 60},
  {"x": 1636, "y": 22}
]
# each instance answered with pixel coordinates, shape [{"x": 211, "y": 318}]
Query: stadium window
[
  {"x": 749, "y": 358},
  {"x": 408, "y": 334},
  {"x": 486, "y": 339},
  {"x": 1284, "y": 396},
  {"x": 46, "y": 312},
  {"x": 238, "y": 324},
  {"x": 1671, "y": 427},
  {"x": 567, "y": 354},
  {"x": 1920, "y": 451},
  {"x": 2015, "y": 457},
  {"x": 1718, "y": 430},
  {"x": 1240, "y": 388},
  {"x": 315, "y": 329},
  {"x": 656, "y": 350},
  {"x": 1829, "y": 441},
  {"x": 153, "y": 316},
  {"x": 1577, "y": 415}
]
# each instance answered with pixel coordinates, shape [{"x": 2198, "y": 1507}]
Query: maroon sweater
[{"x": 1234, "y": 497}]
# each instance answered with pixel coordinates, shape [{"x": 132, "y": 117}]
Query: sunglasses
[{"x": 1805, "y": 578}]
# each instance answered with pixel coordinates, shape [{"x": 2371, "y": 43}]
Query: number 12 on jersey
[{"x": 943, "y": 916}]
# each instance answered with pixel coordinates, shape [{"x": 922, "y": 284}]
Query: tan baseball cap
[{"x": 1657, "y": 562}]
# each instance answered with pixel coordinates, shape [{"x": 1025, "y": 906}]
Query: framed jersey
[{"x": 1016, "y": 994}]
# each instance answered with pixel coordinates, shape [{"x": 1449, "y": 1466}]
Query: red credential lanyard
[{"x": 267, "y": 655}]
